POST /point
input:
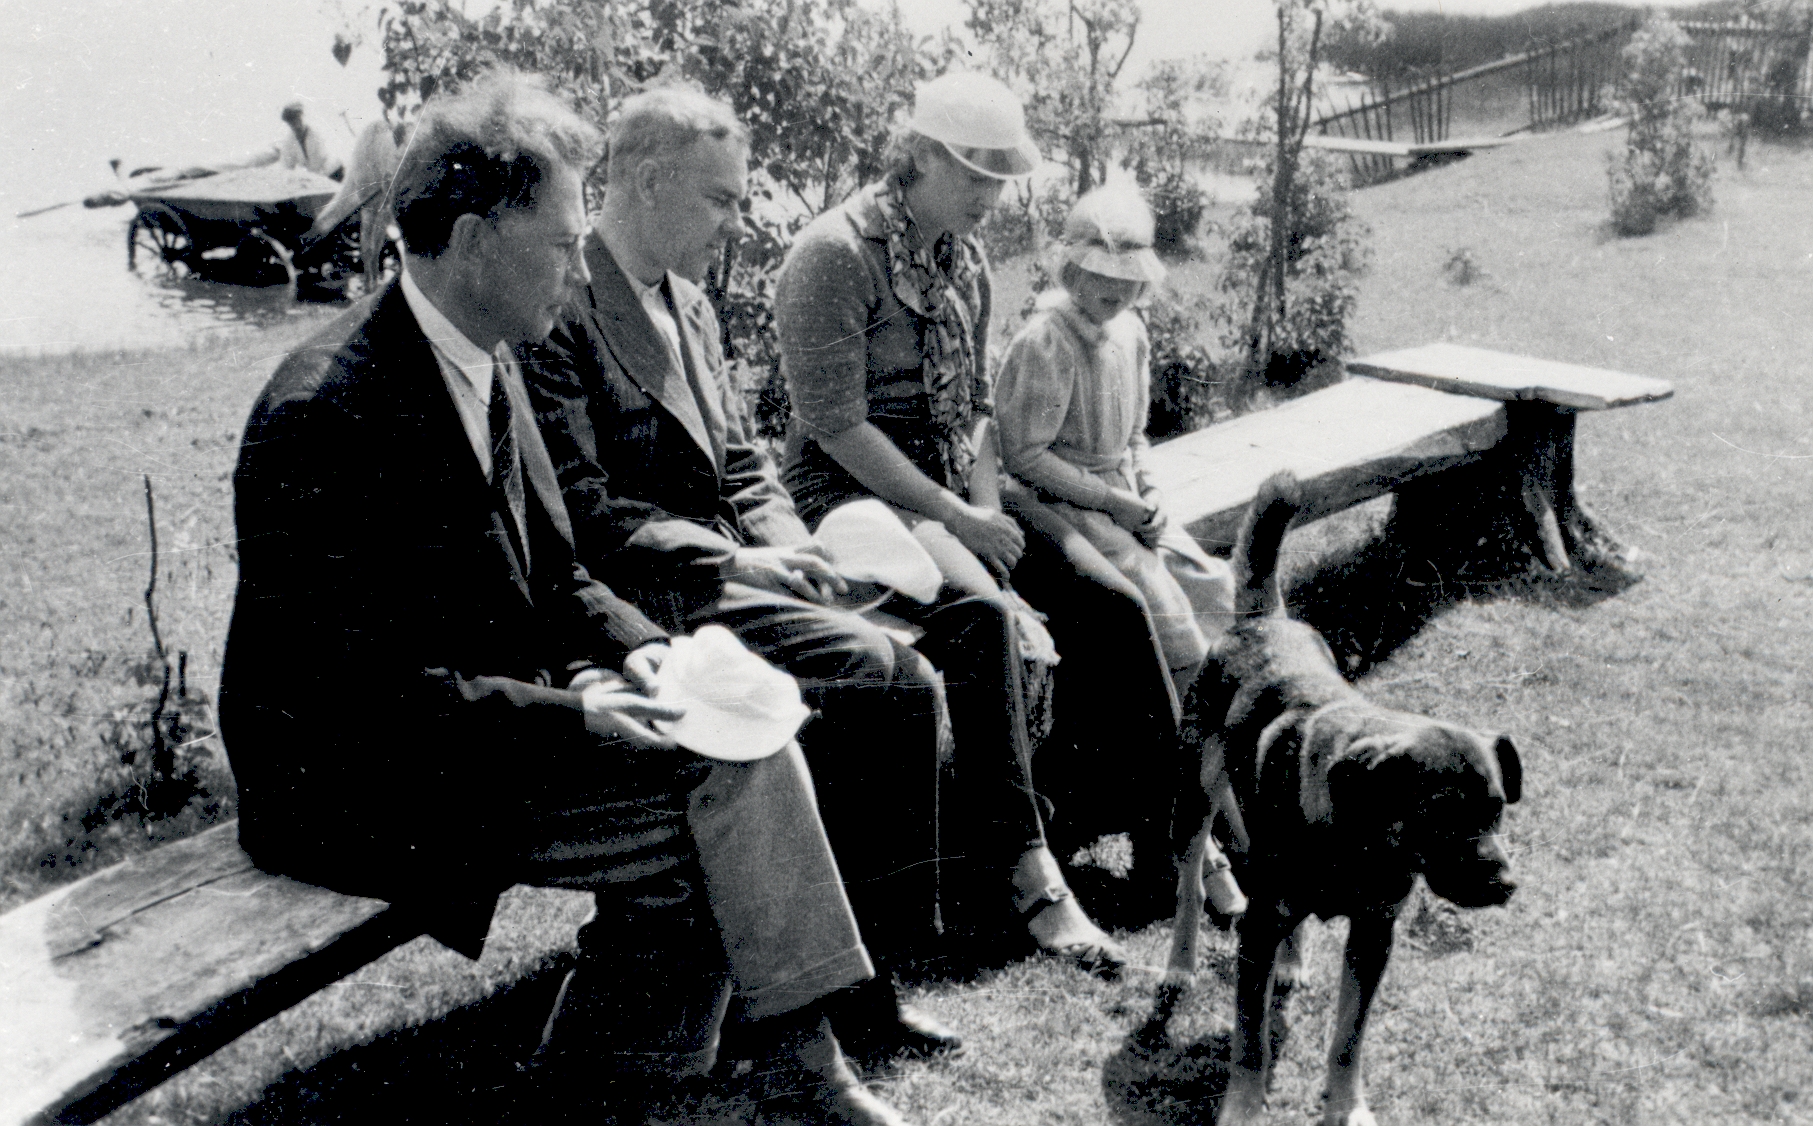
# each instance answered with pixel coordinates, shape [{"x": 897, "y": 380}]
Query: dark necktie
[{"x": 506, "y": 468}]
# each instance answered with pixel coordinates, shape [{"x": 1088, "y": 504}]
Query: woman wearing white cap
[{"x": 882, "y": 311}]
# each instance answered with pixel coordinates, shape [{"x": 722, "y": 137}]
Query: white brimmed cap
[
  {"x": 980, "y": 122},
  {"x": 1109, "y": 232}
]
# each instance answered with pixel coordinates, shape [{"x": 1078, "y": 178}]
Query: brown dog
[{"x": 1344, "y": 802}]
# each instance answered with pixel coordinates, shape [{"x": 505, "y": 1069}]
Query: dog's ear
[{"x": 1510, "y": 767}]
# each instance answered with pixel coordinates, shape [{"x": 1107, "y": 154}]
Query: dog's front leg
[
  {"x": 1260, "y": 932},
  {"x": 1368, "y": 949},
  {"x": 1186, "y": 928}
]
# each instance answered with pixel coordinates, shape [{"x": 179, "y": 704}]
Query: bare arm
[{"x": 877, "y": 463}]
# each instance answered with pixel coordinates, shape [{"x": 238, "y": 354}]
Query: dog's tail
[{"x": 1257, "y": 549}]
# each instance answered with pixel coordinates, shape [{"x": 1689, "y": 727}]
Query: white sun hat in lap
[
  {"x": 1109, "y": 232},
  {"x": 979, "y": 121}
]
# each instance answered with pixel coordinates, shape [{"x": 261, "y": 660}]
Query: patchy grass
[
  {"x": 80, "y": 434},
  {"x": 1656, "y": 966}
]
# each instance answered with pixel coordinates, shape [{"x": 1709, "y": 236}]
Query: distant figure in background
[
  {"x": 301, "y": 147},
  {"x": 376, "y": 155}
]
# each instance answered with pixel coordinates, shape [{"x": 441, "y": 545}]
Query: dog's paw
[
  {"x": 1244, "y": 1102},
  {"x": 1348, "y": 1111}
]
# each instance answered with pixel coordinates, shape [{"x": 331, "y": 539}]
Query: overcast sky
[{"x": 85, "y": 80}]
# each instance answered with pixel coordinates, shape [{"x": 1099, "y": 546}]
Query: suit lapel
[
  {"x": 422, "y": 395},
  {"x": 697, "y": 375},
  {"x": 638, "y": 346}
]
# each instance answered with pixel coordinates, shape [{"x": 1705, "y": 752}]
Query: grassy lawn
[{"x": 1656, "y": 967}]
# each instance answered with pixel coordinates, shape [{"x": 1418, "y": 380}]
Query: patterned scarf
[{"x": 950, "y": 300}]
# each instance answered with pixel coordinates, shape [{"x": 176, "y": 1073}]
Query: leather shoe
[
  {"x": 912, "y": 1032},
  {"x": 811, "y": 1084}
]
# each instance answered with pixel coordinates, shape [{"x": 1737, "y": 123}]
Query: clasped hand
[
  {"x": 990, "y": 534},
  {"x": 800, "y": 571},
  {"x": 1136, "y": 514},
  {"x": 621, "y": 707}
]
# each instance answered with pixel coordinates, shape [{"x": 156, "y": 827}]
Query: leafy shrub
[
  {"x": 1179, "y": 132},
  {"x": 1026, "y": 220},
  {"x": 1780, "y": 111},
  {"x": 1286, "y": 336},
  {"x": 1186, "y": 391},
  {"x": 1663, "y": 171},
  {"x": 1178, "y": 206}
]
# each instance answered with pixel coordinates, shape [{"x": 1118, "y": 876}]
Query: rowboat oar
[{"x": 42, "y": 210}]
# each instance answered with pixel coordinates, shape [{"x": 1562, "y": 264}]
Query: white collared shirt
[
  {"x": 466, "y": 368},
  {"x": 654, "y": 302}
]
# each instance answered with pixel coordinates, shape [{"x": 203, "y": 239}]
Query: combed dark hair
[
  {"x": 482, "y": 151},
  {"x": 656, "y": 123}
]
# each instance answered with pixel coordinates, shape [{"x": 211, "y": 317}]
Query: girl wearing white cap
[
  {"x": 1071, "y": 405},
  {"x": 882, "y": 310}
]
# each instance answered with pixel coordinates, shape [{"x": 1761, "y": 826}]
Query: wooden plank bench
[
  {"x": 1363, "y": 146},
  {"x": 114, "y": 983},
  {"x": 1400, "y": 424}
]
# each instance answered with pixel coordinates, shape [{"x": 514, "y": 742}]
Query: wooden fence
[
  {"x": 1748, "y": 66},
  {"x": 1564, "y": 82}
]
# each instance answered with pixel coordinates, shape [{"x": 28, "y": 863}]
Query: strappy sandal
[{"x": 1099, "y": 954}]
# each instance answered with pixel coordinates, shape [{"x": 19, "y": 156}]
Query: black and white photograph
[{"x": 888, "y": 563}]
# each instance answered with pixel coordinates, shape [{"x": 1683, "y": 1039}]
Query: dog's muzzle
[{"x": 1484, "y": 881}]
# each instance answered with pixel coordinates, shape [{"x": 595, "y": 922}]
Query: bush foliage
[
  {"x": 1324, "y": 255},
  {"x": 1291, "y": 282},
  {"x": 1663, "y": 171},
  {"x": 1176, "y": 133}
]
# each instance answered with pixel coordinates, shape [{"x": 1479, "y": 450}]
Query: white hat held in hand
[
  {"x": 868, "y": 543},
  {"x": 738, "y": 707},
  {"x": 980, "y": 122}
]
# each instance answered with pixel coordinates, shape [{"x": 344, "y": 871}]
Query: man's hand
[
  {"x": 800, "y": 571},
  {"x": 613, "y": 710}
]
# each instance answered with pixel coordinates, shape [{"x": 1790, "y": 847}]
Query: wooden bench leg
[
  {"x": 1513, "y": 511},
  {"x": 1540, "y": 437}
]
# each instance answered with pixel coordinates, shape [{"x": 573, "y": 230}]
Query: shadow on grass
[
  {"x": 465, "y": 1067},
  {"x": 1369, "y": 599},
  {"x": 1162, "y": 1083}
]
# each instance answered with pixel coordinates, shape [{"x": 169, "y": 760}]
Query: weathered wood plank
[
  {"x": 114, "y": 894},
  {"x": 1331, "y": 143},
  {"x": 163, "y": 959},
  {"x": 1500, "y": 375},
  {"x": 1346, "y": 443}
]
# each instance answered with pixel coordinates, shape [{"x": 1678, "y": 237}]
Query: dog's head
[{"x": 1438, "y": 791}]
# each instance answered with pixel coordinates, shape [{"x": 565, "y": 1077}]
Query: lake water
[
  {"x": 66, "y": 287},
  {"x": 177, "y": 82}
]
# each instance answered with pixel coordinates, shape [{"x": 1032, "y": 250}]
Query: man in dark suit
[
  {"x": 671, "y": 492},
  {"x": 427, "y": 699}
]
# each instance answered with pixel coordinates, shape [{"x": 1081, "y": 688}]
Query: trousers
[{"x": 720, "y": 882}]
